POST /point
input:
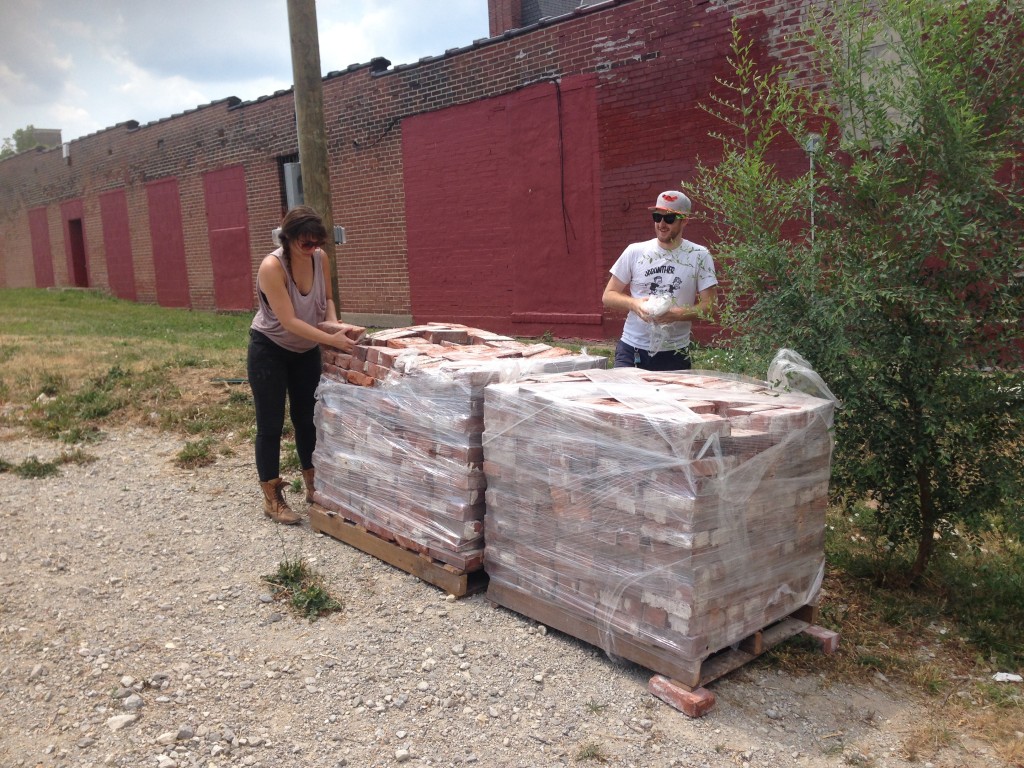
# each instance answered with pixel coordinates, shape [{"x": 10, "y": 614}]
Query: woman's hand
[{"x": 341, "y": 340}]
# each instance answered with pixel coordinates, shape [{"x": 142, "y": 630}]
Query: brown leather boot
[
  {"x": 274, "y": 505},
  {"x": 307, "y": 479}
]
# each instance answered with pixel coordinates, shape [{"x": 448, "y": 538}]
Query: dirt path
[{"x": 136, "y": 631}]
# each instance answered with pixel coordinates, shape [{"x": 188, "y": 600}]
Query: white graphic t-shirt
[{"x": 650, "y": 270}]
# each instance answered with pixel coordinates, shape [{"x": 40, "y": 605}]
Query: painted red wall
[
  {"x": 117, "y": 243},
  {"x": 510, "y": 242},
  {"x": 228, "y": 226},
  {"x": 165, "y": 231},
  {"x": 42, "y": 261}
]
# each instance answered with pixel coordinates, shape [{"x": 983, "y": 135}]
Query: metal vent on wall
[{"x": 293, "y": 184}]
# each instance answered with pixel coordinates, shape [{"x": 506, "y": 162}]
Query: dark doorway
[{"x": 76, "y": 242}]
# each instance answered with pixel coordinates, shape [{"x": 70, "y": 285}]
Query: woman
[{"x": 294, "y": 293}]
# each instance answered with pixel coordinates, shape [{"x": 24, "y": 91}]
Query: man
[{"x": 656, "y": 335}]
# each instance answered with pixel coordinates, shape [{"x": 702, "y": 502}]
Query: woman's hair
[{"x": 300, "y": 222}]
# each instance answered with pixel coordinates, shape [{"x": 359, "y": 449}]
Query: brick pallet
[
  {"x": 454, "y": 581},
  {"x": 661, "y": 516},
  {"x": 399, "y": 433}
]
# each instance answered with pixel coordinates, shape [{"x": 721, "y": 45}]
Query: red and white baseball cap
[{"x": 672, "y": 202}]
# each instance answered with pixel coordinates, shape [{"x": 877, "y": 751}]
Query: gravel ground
[{"x": 136, "y": 631}]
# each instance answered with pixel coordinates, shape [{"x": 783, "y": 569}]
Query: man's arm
[
  {"x": 616, "y": 297},
  {"x": 704, "y": 309}
]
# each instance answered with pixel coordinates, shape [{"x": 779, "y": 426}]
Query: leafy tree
[
  {"x": 895, "y": 264},
  {"x": 21, "y": 140}
]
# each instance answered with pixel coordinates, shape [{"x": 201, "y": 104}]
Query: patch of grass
[
  {"x": 240, "y": 397},
  {"x": 1001, "y": 695},
  {"x": 591, "y": 751},
  {"x": 304, "y": 589},
  {"x": 196, "y": 453},
  {"x": 925, "y": 742},
  {"x": 76, "y": 361},
  {"x": 944, "y": 639},
  {"x": 974, "y": 591},
  {"x": 289, "y": 458},
  {"x": 52, "y": 384},
  {"x": 32, "y": 468},
  {"x": 77, "y": 456}
]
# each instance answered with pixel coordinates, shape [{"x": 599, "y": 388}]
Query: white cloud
[{"x": 83, "y": 67}]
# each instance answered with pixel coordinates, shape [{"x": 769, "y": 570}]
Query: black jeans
[
  {"x": 669, "y": 360},
  {"x": 273, "y": 373}
]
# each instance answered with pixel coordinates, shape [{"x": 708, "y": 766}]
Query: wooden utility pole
[{"x": 309, "y": 120}]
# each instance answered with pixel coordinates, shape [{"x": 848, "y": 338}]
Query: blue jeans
[
  {"x": 275, "y": 372},
  {"x": 669, "y": 360}
]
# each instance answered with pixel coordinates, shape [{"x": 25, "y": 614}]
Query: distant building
[{"x": 48, "y": 138}]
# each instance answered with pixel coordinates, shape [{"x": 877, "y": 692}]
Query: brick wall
[{"x": 646, "y": 64}]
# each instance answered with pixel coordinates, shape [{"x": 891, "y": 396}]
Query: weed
[
  {"x": 833, "y": 748},
  {"x": 930, "y": 678},
  {"x": 77, "y": 456},
  {"x": 304, "y": 588},
  {"x": 926, "y": 741},
  {"x": 196, "y": 453},
  {"x": 34, "y": 469},
  {"x": 594, "y": 707},
  {"x": 6, "y": 466},
  {"x": 53, "y": 384},
  {"x": 1001, "y": 695},
  {"x": 239, "y": 397},
  {"x": 591, "y": 751},
  {"x": 296, "y": 485},
  {"x": 289, "y": 457}
]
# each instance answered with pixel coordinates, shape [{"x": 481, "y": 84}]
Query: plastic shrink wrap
[
  {"x": 399, "y": 428},
  {"x": 670, "y": 515}
]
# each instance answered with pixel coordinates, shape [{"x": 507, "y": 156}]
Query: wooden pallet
[
  {"x": 680, "y": 682},
  {"x": 447, "y": 577}
]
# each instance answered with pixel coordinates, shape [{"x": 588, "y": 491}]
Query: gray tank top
[{"x": 311, "y": 308}]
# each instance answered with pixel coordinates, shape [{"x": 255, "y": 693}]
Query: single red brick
[
  {"x": 359, "y": 379},
  {"x": 828, "y": 641},
  {"x": 696, "y": 703}
]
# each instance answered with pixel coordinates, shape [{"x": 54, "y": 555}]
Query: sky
[{"x": 85, "y": 66}]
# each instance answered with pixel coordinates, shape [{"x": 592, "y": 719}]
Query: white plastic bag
[
  {"x": 655, "y": 306},
  {"x": 789, "y": 371}
]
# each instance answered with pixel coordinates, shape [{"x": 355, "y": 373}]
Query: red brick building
[{"x": 492, "y": 184}]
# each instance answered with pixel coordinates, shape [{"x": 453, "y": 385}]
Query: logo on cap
[{"x": 674, "y": 202}]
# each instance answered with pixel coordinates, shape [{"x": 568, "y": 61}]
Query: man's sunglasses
[{"x": 668, "y": 218}]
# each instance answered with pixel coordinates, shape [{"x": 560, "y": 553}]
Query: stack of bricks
[
  {"x": 399, "y": 432},
  {"x": 681, "y": 511}
]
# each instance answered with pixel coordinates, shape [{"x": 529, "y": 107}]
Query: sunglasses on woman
[{"x": 668, "y": 218}]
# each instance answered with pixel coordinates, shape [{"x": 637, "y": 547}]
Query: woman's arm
[{"x": 273, "y": 281}]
